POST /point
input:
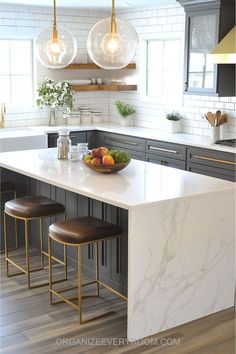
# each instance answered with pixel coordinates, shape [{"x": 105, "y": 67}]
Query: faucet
[{"x": 2, "y": 113}]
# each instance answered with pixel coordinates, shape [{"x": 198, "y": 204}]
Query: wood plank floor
[{"x": 30, "y": 325}]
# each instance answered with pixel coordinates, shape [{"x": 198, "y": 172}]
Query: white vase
[
  {"x": 215, "y": 134},
  {"x": 174, "y": 126},
  {"x": 125, "y": 122}
]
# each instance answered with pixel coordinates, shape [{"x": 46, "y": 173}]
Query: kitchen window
[
  {"x": 164, "y": 70},
  {"x": 16, "y": 72}
]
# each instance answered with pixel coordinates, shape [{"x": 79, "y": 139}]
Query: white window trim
[
  {"x": 23, "y": 108},
  {"x": 143, "y": 63}
]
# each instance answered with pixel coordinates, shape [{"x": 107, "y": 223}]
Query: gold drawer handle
[
  {"x": 161, "y": 149},
  {"x": 124, "y": 141},
  {"x": 214, "y": 160}
]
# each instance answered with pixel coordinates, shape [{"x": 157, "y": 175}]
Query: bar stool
[
  {"x": 27, "y": 209},
  {"x": 77, "y": 233},
  {"x": 7, "y": 187}
]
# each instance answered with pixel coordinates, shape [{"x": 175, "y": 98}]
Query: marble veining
[{"x": 184, "y": 269}]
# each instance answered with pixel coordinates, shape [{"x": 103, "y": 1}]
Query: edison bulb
[
  {"x": 112, "y": 50},
  {"x": 56, "y": 53},
  {"x": 112, "y": 44}
]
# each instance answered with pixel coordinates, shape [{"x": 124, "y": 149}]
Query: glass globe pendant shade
[
  {"x": 55, "y": 52},
  {"x": 112, "y": 50}
]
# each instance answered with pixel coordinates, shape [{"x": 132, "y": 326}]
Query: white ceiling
[{"x": 94, "y": 4}]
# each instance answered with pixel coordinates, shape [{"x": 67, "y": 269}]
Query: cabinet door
[
  {"x": 202, "y": 36},
  {"x": 165, "y": 161},
  {"x": 137, "y": 155},
  {"x": 78, "y": 137}
]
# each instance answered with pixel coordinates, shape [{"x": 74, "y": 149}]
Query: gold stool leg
[
  {"x": 97, "y": 270},
  {"x": 16, "y": 231},
  {"x": 41, "y": 242},
  {"x": 50, "y": 267},
  {"x": 80, "y": 284},
  {"x": 5, "y": 240},
  {"x": 27, "y": 253},
  {"x": 65, "y": 262}
]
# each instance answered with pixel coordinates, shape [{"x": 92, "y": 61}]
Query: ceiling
[{"x": 93, "y": 4}]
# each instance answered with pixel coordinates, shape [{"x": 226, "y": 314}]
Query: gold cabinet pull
[
  {"x": 214, "y": 160},
  {"x": 161, "y": 149}
]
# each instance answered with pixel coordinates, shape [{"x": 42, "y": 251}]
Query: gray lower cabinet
[
  {"x": 166, "y": 161},
  {"x": 76, "y": 137},
  {"x": 134, "y": 146},
  {"x": 166, "y": 154},
  {"x": 211, "y": 163}
]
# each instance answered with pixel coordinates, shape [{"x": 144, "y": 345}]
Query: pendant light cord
[
  {"x": 113, "y": 18},
  {"x": 54, "y": 32}
]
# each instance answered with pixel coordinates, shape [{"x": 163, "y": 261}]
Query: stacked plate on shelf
[{"x": 79, "y": 82}]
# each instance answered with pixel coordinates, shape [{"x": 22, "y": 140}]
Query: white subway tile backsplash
[{"x": 27, "y": 21}]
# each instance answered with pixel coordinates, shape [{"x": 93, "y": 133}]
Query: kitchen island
[{"x": 180, "y": 233}]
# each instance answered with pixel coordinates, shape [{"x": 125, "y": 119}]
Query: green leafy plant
[
  {"x": 55, "y": 95},
  {"x": 124, "y": 109},
  {"x": 175, "y": 116}
]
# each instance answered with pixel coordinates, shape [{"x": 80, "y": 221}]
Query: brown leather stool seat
[
  {"x": 7, "y": 187},
  {"x": 28, "y": 209},
  {"x": 78, "y": 233},
  {"x": 82, "y": 230},
  {"x": 33, "y": 207}
]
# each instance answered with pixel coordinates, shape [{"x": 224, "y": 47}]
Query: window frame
[
  {"x": 23, "y": 107},
  {"x": 144, "y": 63}
]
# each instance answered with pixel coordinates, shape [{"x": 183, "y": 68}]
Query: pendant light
[
  {"x": 56, "y": 47},
  {"x": 112, "y": 42}
]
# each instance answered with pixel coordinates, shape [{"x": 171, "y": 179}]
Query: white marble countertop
[
  {"x": 11, "y": 133},
  {"x": 186, "y": 139},
  {"x": 140, "y": 184}
]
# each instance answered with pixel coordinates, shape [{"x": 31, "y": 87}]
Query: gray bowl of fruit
[{"x": 103, "y": 160}]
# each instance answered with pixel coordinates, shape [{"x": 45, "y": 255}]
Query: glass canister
[
  {"x": 74, "y": 153},
  {"x": 63, "y": 144},
  {"x": 85, "y": 116},
  {"x": 96, "y": 117},
  {"x": 82, "y": 150}
]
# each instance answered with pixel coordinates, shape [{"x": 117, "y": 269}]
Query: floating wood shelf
[
  {"x": 87, "y": 66},
  {"x": 112, "y": 87}
]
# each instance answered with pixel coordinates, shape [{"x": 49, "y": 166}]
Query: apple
[
  {"x": 108, "y": 160},
  {"x": 96, "y": 161},
  {"x": 102, "y": 151},
  {"x": 95, "y": 153}
]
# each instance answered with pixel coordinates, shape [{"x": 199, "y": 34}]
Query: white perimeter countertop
[
  {"x": 181, "y": 138},
  {"x": 140, "y": 184}
]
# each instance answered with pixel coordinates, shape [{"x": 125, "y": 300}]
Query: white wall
[{"x": 27, "y": 21}]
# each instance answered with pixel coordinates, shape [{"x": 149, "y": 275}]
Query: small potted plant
[
  {"x": 125, "y": 111},
  {"x": 174, "y": 122},
  {"x": 55, "y": 95}
]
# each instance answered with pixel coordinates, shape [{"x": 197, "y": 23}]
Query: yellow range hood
[{"x": 225, "y": 51}]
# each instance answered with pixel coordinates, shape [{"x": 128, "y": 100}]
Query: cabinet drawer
[
  {"x": 163, "y": 149},
  {"x": 123, "y": 141},
  {"x": 76, "y": 137},
  {"x": 137, "y": 155},
  {"x": 212, "y": 171},
  {"x": 212, "y": 158},
  {"x": 166, "y": 161}
]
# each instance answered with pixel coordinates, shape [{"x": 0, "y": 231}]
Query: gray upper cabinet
[{"x": 207, "y": 22}]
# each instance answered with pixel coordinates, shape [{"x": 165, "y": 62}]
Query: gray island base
[{"x": 175, "y": 259}]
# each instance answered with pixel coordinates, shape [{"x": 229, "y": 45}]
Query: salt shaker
[{"x": 63, "y": 144}]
